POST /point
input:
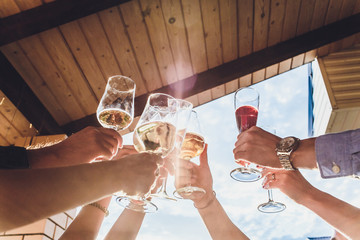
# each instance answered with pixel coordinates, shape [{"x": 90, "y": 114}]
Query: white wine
[
  {"x": 155, "y": 137},
  {"x": 193, "y": 145},
  {"x": 114, "y": 118}
]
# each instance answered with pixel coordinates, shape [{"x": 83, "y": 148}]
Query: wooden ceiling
[{"x": 56, "y": 55}]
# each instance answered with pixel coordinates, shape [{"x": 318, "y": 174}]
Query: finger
[
  {"x": 204, "y": 157},
  {"x": 169, "y": 166},
  {"x": 112, "y": 133}
]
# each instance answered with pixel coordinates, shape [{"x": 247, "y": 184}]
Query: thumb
[{"x": 204, "y": 157}]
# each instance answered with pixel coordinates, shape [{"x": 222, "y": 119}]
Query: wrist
[
  {"x": 304, "y": 156},
  {"x": 205, "y": 201}
]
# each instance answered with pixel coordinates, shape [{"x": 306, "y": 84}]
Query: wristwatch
[{"x": 284, "y": 148}]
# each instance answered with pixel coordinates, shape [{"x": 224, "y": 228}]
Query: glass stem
[{"x": 270, "y": 195}]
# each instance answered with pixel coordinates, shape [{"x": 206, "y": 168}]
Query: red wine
[{"x": 246, "y": 117}]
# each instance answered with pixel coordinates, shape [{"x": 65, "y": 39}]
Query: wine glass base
[
  {"x": 245, "y": 174},
  {"x": 143, "y": 206},
  {"x": 271, "y": 207},
  {"x": 187, "y": 192}
]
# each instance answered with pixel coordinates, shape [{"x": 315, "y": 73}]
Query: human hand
[
  {"x": 198, "y": 175},
  {"x": 257, "y": 146},
  {"x": 125, "y": 151},
  {"x": 137, "y": 172},
  {"x": 292, "y": 183},
  {"x": 89, "y": 144}
]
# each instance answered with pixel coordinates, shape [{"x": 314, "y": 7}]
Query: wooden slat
[
  {"x": 305, "y": 16},
  {"x": 298, "y": 60},
  {"x": 175, "y": 26},
  {"x": 136, "y": 30},
  {"x": 68, "y": 69},
  {"x": 9, "y": 132},
  {"x": 228, "y": 18},
  {"x": 245, "y": 80},
  {"x": 35, "y": 51},
  {"x": 211, "y": 20},
  {"x": 218, "y": 92},
  {"x": 24, "y": 99},
  {"x": 319, "y": 15},
  {"x": 204, "y": 97},
  {"x": 258, "y": 76},
  {"x": 15, "y": 117},
  {"x": 276, "y": 21},
  {"x": 26, "y": 5},
  {"x": 154, "y": 20},
  {"x": 285, "y": 65},
  {"x": 99, "y": 45},
  {"x": 272, "y": 70},
  {"x": 310, "y": 56},
  {"x": 290, "y": 20},
  {"x": 48, "y": 16},
  {"x": 26, "y": 69},
  {"x": 195, "y": 33},
  {"x": 231, "y": 86},
  {"x": 120, "y": 43},
  {"x": 261, "y": 22},
  {"x": 246, "y": 23},
  {"x": 80, "y": 48},
  {"x": 8, "y": 7}
]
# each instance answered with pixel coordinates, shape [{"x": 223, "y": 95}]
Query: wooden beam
[
  {"x": 243, "y": 66},
  {"x": 19, "y": 93},
  {"x": 49, "y": 15}
]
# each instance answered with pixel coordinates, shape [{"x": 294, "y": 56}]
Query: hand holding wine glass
[{"x": 246, "y": 103}]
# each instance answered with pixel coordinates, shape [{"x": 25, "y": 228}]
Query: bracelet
[
  {"x": 102, "y": 208},
  {"x": 209, "y": 203}
]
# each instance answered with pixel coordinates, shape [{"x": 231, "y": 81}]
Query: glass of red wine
[{"x": 246, "y": 103}]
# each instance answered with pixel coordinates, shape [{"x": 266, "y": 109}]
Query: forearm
[
  {"x": 127, "y": 226},
  {"x": 218, "y": 223},
  {"x": 50, "y": 191},
  {"x": 339, "y": 214},
  {"x": 87, "y": 223}
]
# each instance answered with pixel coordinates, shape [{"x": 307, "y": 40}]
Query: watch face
[{"x": 286, "y": 143}]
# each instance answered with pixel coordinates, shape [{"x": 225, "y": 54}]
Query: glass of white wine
[
  {"x": 183, "y": 115},
  {"x": 154, "y": 133},
  {"x": 116, "y": 107},
  {"x": 193, "y": 145}
]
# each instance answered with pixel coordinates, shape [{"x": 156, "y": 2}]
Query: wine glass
[
  {"x": 116, "y": 107},
  {"x": 154, "y": 133},
  {"x": 271, "y": 206},
  {"x": 246, "y": 103},
  {"x": 183, "y": 114},
  {"x": 192, "y": 146}
]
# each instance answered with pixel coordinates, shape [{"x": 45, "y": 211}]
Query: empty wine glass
[
  {"x": 183, "y": 115},
  {"x": 246, "y": 103},
  {"x": 193, "y": 145},
  {"x": 271, "y": 206},
  {"x": 116, "y": 107},
  {"x": 154, "y": 133}
]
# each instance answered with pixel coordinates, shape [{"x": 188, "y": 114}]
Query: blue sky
[{"x": 284, "y": 105}]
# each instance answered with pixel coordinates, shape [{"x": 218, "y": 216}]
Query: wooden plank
[
  {"x": 231, "y": 86},
  {"x": 261, "y": 24},
  {"x": 47, "y": 16},
  {"x": 245, "y": 81},
  {"x": 195, "y": 34},
  {"x": 347, "y": 8},
  {"x": 7, "y": 8},
  {"x": 229, "y": 34},
  {"x": 310, "y": 56},
  {"x": 305, "y": 16},
  {"x": 9, "y": 132},
  {"x": 291, "y": 19},
  {"x": 175, "y": 27},
  {"x": 276, "y": 21},
  {"x": 249, "y": 64},
  {"x": 218, "y": 91},
  {"x": 123, "y": 51},
  {"x": 258, "y": 76},
  {"x": 26, "y": 5},
  {"x": 246, "y": 27},
  {"x": 211, "y": 21},
  {"x": 271, "y": 71},
  {"x": 26, "y": 70},
  {"x": 15, "y": 117},
  {"x": 285, "y": 65},
  {"x": 136, "y": 30},
  {"x": 154, "y": 19},
  {"x": 319, "y": 15},
  {"x": 194, "y": 100},
  {"x": 24, "y": 99},
  {"x": 327, "y": 84},
  {"x": 80, "y": 48},
  {"x": 205, "y": 96},
  {"x": 298, "y": 60},
  {"x": 99, "y": 45},
  {"x": 69, "y": 70}
]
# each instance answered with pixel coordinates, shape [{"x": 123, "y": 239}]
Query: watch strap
[{"x": 285, "y": 162}]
